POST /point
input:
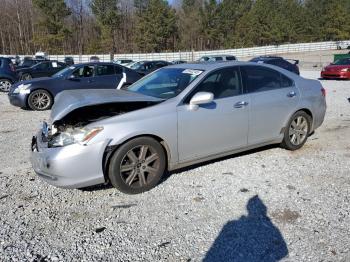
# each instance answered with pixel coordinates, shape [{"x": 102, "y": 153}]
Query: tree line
[{"x": 121, "y": 26}]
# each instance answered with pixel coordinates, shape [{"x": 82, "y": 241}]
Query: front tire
[
  {"x": 40, "y": 100},
  {"x": 297, "y": 131},
  {"x": 5, "y": 85},
  {"x": 137, "y": 166}
]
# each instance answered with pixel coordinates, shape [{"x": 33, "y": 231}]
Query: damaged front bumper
[{"x": 72, "y": 166}]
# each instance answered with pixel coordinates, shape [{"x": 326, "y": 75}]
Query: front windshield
[
  {"x": 165, "y": 83},
  {"x": 344, "y": 61},
  {"x": 64, "y": 72}
]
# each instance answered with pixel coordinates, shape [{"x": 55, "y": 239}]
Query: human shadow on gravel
[{"x": 251, "y": 238}]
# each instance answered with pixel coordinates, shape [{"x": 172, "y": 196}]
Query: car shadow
[
  {"x": 191, "y": 167},
  {"x": 250, "y": 238},
  {"x": 168, "y": 174}
]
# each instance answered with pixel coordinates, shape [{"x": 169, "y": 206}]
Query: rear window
[{"x": 230, "y": 58}]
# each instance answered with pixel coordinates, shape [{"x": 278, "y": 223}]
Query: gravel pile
[{"x": 267, "y": 204}]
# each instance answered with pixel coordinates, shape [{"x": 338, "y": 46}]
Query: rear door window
[
  {"x": 105, "y": 70},
  {"x": 286, "y": 81},
  {"x": 118, "y": 70},
  {"x": 260, "y": 79},
  {"x": 43, "y": 66}
]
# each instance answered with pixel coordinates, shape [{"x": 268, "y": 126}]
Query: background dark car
[
  {"x": 39, "y": 94},
  {"x": 146, "y": 67},
  {"x": 178, "y": 62},
  {"x": 68, "y": 60},
  {"x": 8, "y": 74},
  {"x": 16, "y": 60},
  {"x": 28, "y": 62},
  {"x": 94, "y": 59},
  {"x": 217, "y": 58},
  {"x": 42, "y": 69},
  {"x": 280, "y": 62}
]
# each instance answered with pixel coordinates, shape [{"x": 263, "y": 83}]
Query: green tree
[
  {"x": 336, "y": 20},
  {"x": 229, "y": 14},
  {"x": 52, "y": 31},
  {"x": 108, "y": 16},
  {"x": 210, "y": 23},
  {"x": 189, "y": 24},
  {"x": 155, "y": 27}
]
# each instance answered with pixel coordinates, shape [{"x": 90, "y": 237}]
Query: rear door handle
[
  {"x": 292, "y": 94},
  {"x": 240, "y": 104}
]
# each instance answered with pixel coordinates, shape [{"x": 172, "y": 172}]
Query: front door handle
[
  {"x": 291, "y": 94},
  {"x": 240, "y": 104}
]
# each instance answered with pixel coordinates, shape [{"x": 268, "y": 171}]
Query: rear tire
[
  {"x": 137, "y": 166},
  {"x": 297, "y": 131},
  {"x": 40, "y": 100}
]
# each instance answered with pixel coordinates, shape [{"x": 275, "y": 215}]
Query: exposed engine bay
[{"x": 75, "y": 121}]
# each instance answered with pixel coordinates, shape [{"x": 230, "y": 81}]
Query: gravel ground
[{"x": 264, "y": 205}]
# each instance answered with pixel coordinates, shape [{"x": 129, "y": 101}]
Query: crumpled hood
[{"x": 68, "y": 101}]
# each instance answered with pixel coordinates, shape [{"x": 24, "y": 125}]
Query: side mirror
[{"x": 201, "y": 98}]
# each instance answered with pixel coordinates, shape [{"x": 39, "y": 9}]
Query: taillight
[
  {"x": 323, "y": 92},
  {"x": 13, "y": 69}
]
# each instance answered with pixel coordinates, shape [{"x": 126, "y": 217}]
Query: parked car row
[{"x": 39, "y": 94}]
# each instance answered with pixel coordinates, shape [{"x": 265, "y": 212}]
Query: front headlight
[
  {"x": 22, "y": 89},
  {"x": 345, "y": 70},
  {"x": 73, "y": 136}
]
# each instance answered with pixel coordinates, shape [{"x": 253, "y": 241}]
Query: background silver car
[{"x": 175, "y": 117}]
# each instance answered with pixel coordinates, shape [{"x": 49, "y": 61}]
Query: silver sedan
[{"x": 175, "y": 117}]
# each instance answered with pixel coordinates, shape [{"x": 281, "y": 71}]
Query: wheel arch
[
  {"x": 308, "y": 112},
  {"x": 110, "y": 149},
  {"x": 303, "y": 109},
  {"x": 6, "y": 78}
]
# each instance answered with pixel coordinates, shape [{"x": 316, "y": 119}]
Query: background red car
[{"x": 340, "y": 69}]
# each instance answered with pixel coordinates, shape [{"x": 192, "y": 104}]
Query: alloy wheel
[
  {"x": 140, "y": 166},
  {"x": 5, "y": 85},
  {"x": 40, "y": 100},
  {"x": 298, "y": 130}
]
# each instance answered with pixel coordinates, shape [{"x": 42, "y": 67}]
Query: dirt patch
[
  {"x": 286, "y": 215},
  {"x": 336, "y": 128}
]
